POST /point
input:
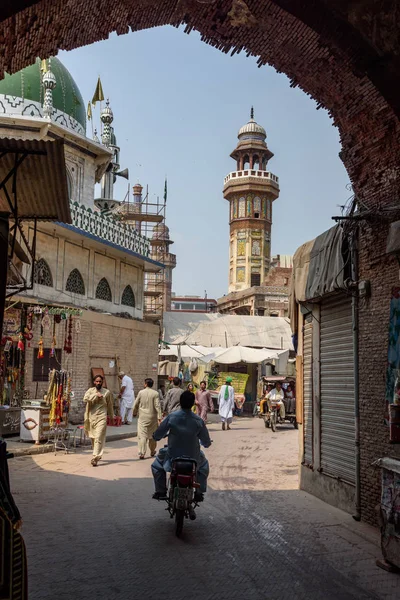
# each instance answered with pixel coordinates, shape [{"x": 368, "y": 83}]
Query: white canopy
[
  {"x": 187, "y": 351},
  {"x": 216, "y": 330},
  {"x": 237, "y": 354}
]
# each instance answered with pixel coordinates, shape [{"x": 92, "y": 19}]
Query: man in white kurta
[
  {"x": 148, "y": 409},
  {"x": 127, "y": 398},
  {"x": 226, "y": 403},
  {"x": 99, "y": 405}
]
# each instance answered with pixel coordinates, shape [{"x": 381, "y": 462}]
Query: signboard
[
  {"x": 239, "y": 381},
  {"x": 12, "y": 323}
]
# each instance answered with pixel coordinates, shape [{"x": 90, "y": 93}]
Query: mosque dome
[
  {"x": 252, "y": 130},
  {"x": 161, "y": 232},
  {"x": 23, "y": 94}
]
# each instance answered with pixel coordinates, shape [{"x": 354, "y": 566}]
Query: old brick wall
[
  {"x": 100, "y": 340},
  {"x": 279, "y": 276},
  {"x": 383, "y": 273}
]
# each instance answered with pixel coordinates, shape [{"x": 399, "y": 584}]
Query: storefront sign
[{"x": 12, "y": 323}]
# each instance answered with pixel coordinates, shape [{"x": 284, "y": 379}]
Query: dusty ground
[{"x": 95, "y": 533}]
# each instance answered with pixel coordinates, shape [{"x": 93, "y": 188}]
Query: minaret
[
  {"x": 49, "y": 84},
  {"x": 106, "y": 202},
  {"x": 160, "y": 251},
  {"x": 250, "y": 191}
]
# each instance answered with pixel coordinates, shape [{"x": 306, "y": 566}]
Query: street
[{"x": 96, "y": 532}]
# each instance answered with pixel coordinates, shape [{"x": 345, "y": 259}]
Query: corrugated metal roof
[{"x": 42, "y": 191}]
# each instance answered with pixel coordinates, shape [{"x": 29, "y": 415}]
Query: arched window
[
  {"x": 246, "y": 162},
  {"x": 257, "y": 207},
  {"x": 103, "y": 290},
  {"x": 75, "y": 283},
  {"x": 128, "y": 297},
  {"x": 42, "y": 273}
]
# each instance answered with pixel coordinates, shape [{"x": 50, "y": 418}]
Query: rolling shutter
[
  {"x": 308, "y": 391},
  {"x": 337, "y": 389}
]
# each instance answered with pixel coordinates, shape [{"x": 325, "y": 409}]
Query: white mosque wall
[{"x": 65, "y": 251}]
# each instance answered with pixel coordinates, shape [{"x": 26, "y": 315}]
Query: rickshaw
[{"x": 271, "y": 415}]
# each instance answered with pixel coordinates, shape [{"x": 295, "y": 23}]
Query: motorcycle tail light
[{"x": 184, "y": 480}]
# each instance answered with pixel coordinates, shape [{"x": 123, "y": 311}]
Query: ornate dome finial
[
  {"x": 96, "y": 137},
  {"x": 252, "y": 113},
  {"x": 252, "y": 130}
]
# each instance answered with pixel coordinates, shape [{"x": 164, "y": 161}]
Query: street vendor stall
[{"x": 12, "y": 365}]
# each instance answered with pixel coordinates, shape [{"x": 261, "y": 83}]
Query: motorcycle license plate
[{"x": 183, "y": 493}]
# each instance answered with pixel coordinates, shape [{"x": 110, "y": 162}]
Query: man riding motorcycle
[{"x": 185, "y": 430}]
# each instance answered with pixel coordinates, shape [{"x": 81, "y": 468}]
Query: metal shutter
[
  {"x": 308, "y": 391},
  {"x": 337, "y": 389}
]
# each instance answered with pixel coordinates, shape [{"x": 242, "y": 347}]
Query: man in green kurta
[
  {"x": 147, "y": 406},
  {"x": 99, "y": 405}
]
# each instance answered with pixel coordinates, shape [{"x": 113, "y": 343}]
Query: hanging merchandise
[
  {"x": 68, "y": 338},
  {"x": 59, "y": 397},
  {"x": 40, "y": 353},
  {"x": 46, "y": 323},
  {"x": 21, "y": 346},
  {"x": 53, "y": 341},
  {"x": 78, "y": 326}
]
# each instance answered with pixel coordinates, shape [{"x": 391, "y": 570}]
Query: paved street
[{"x": 95, "y": 533}]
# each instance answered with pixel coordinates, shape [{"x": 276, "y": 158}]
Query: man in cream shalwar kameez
[
  {"x": 99, "y": 405},
  {"x": 147, "y": 405},
  {"x": 226, "y": 403}
]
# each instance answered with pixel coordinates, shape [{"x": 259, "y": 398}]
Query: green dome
[{"x": 66, "y": 96}]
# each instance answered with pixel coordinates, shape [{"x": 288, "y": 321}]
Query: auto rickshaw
[{"x": 271, "y": 414}]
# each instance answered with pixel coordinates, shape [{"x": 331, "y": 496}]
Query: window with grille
[
  {"x": 42, "y": 273},
  {"x": 75, "y": 283},
  {"x": 128, "y": 297},
  {"x": 255, "y": 279},
  {"x": 103, "y": 290}
]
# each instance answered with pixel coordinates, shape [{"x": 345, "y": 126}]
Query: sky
[{"x": 178, "y": 105}]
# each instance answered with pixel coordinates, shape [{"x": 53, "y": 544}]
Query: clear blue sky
[{"x": 178, "y": 105}]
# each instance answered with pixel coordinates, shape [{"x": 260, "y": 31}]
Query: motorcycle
[
  {"x": 181, "y": 492},
  {"x": 272, "y": 417}
]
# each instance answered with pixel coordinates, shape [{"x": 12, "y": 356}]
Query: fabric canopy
[
  {"x": 186, "y": 352},
  {"x": 237, "y": 354},
  {"x": 318, "y": 270},
  {"x": 216, "y": 330}
]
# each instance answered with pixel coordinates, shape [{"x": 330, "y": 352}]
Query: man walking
[
  {"x": 203, "y": 402},
  {"x": 148, "y": 406},
  {"x": 226, "y": 403},
  {"x": 127, "y": 398},
  {"x": 173, "y": 396}
]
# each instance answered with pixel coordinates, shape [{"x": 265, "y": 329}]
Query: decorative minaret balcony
[{"x": 107, "y": 229}]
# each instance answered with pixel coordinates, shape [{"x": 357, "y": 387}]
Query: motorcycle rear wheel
[{"x": 179, "y": 517}]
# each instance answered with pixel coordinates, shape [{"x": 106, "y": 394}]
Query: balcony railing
[
  {"x": 252, "y": 173},
  {"x": 105, "y": 228}
]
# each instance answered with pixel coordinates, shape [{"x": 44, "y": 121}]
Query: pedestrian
[
  {"x": 203, "y": 401},
  {"x": 264, "y": 400},
  {"x": 226, "y": 403},
  {"x": 99, "y": 405},
  {"x": 172, "y": 398},
  {"x": 148, "y": 407},
  {"x": 127, "y": 398},
  {"x": 290, "y": 400},
  {"x": 161, "y": 394}
]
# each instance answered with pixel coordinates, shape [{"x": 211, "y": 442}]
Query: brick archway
[{"x": 344, "y": 54}]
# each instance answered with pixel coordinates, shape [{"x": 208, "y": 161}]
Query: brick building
[{"x": 346, "y": 56}]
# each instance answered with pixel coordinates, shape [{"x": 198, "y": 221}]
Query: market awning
[
  {"x": 318, "y": 269},
  {"x": 237, "y": 354},
  {"x": 33, "y": 180}
]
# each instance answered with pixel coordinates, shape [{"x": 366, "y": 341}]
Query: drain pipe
[{"x": 354, "y": 314}]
